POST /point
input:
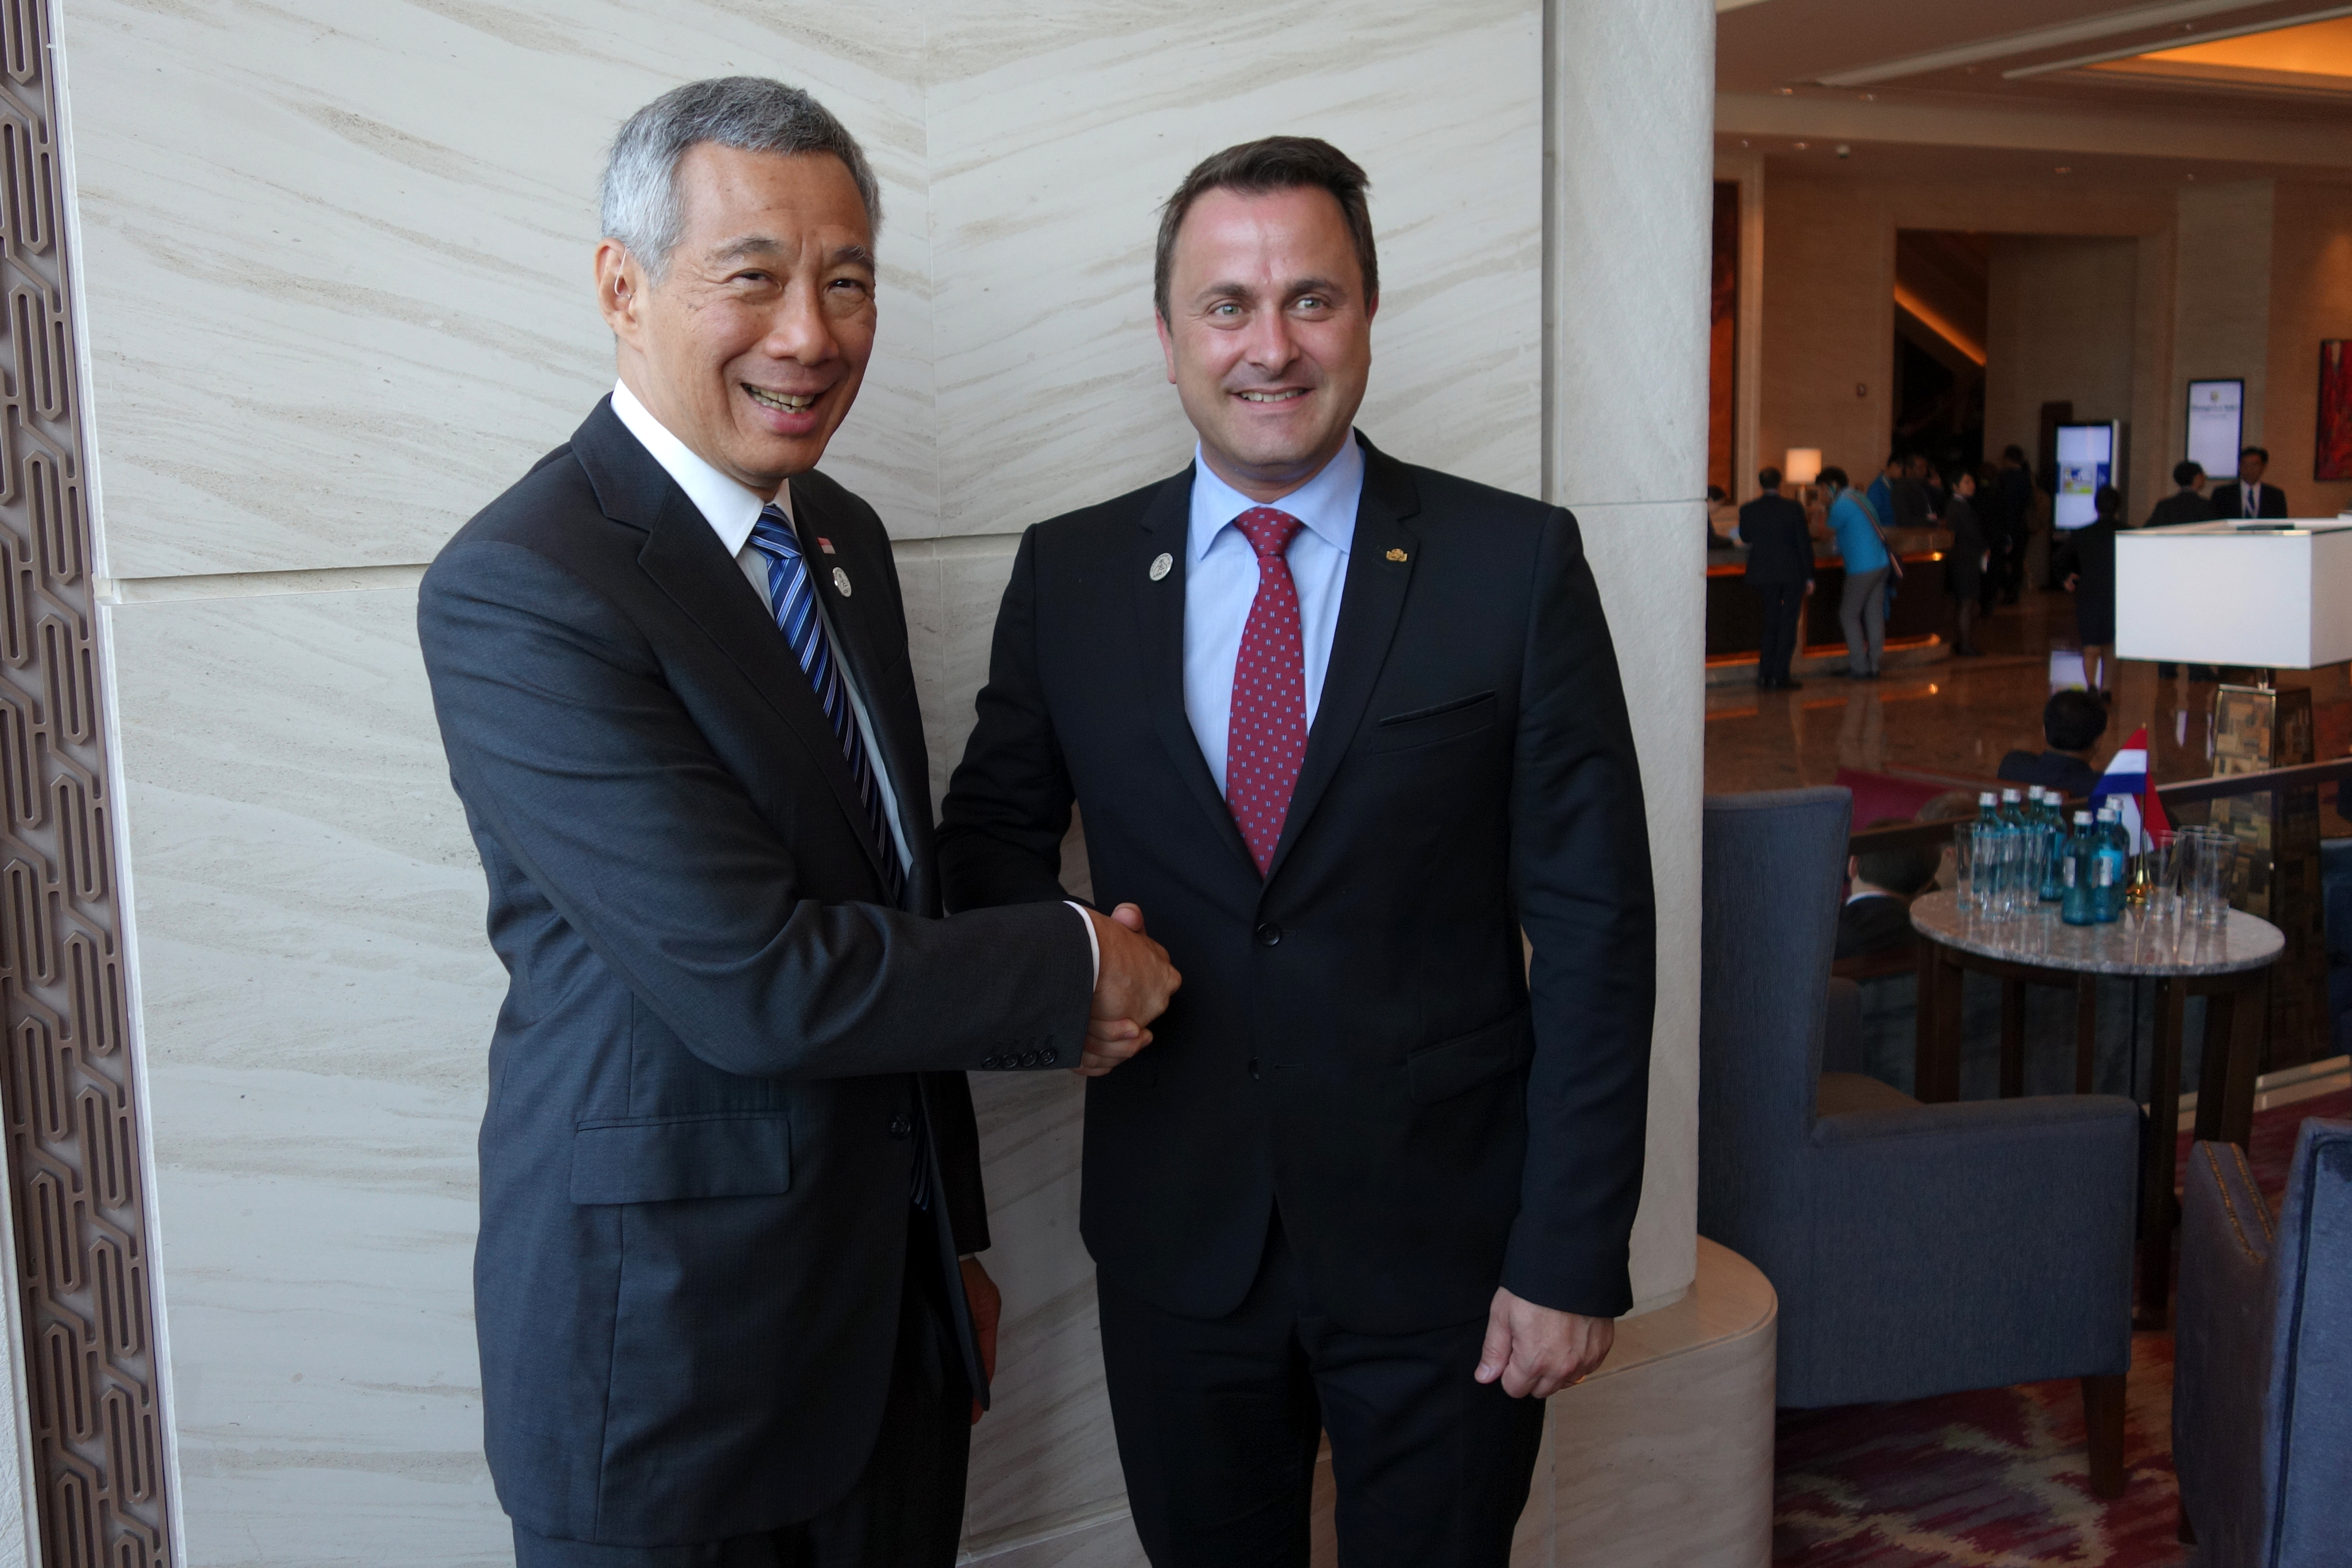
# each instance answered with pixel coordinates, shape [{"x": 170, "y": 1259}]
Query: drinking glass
[
  {"x": 1995, "y": 855},
  {"x": 2163, "y": 860},
  {"x": 2217, "y": 862},
  {"x": 1964, "y": 866}
]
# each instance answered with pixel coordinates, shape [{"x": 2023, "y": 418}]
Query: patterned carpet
[{"x": 1999, "y": 1478}]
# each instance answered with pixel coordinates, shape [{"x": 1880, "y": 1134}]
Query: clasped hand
[{"x": 1133, "y": 985}]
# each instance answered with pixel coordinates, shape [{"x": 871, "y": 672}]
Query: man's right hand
[{"x": 1131, "y": 988}]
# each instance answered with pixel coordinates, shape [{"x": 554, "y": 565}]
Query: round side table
[{"x": 2227, "y": 964}]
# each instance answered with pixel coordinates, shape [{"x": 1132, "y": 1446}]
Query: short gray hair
[{"x": 639, "y": 204}]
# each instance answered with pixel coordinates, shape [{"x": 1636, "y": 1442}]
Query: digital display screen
[
  {"x": 2086, "y": 460},
  {"x": 2216, "y": 422}
]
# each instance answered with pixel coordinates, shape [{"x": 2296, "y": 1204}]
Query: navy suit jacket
[
  {"x": 720, "y": 1041},
  {"x": 1359, "y": 1039},
  {"x": 2230, "y": 500},
  {"x": 1779, "y": 539}
]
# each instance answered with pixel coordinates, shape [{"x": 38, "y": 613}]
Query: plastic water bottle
[
  {"x": 1993, "y": 832},
  {"x": 2078, "y": 904},
  {"x": 2110, "y": 862}
]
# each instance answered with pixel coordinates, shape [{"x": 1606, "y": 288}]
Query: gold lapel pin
[
  {"x": 1161, "y": 564},
  {"x": 1396, "y": 555}
]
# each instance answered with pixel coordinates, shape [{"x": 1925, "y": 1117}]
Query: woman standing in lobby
[
  {"x": 2088, "y": 570},
  {"x": 1861, "y": 607},
  {"x": 1964, "y": 568}
]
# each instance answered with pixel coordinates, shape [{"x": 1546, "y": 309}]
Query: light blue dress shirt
[{"x": 1221, "y": 584}]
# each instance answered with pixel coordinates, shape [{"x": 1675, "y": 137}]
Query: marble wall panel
[
  {"x": 1054, "y": 140},
  {"x": 316, "y": 998},
  {"x": 337, "y": 253}
]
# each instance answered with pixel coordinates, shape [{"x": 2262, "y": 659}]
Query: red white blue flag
[{"x": 2125, "y": 784}]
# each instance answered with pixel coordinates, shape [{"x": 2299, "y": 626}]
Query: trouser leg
[
  {"x": 1430, "y": 1466},
  {"x": 1217, "y": 1424},
  {"x": 1862, "y": 611},
  {"x": 1873, "y": 619}
]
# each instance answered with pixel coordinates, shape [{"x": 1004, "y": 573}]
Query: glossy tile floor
[{"x": 1957, "y": 717}]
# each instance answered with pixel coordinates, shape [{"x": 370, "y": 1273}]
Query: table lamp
[{"x": 1802, "y": 467}]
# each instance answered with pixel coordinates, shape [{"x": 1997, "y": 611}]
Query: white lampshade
[{"x": 1802, "y": 467}]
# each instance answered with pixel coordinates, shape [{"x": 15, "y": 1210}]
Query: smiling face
[
  {"x": 751, "y": 347},
  {"x": 1269, "y": 335}
]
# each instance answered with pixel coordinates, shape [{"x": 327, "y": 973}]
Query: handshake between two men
[{"x": 1133, "y": 981}]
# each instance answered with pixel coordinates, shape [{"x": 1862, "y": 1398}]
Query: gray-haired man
[{"x": 729, "y": 1163}]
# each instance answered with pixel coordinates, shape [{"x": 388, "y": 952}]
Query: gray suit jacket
[{"x": 720, "y": 1042}]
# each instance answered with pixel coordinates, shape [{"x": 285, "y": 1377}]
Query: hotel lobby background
[{"x": 327, "y": 282}]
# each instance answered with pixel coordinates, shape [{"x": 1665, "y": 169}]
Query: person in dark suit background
[
  {"x": 2087, "y": 568},
  {"x": 1964, "y": 568},
  {"x": 2071, "y": 722},
  {"x": 2014, "y": 484},
  {"x": 1346, "y": 727},
  {"x": 2247, "y": 495},
  {"x": 1881, "y": 884},
  {"x": 2188, "y": 503},
  {"x": 730, "y": 1176},
  {"x": 1780, "y": 544}
]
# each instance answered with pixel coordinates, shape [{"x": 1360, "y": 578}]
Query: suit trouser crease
[{"x": 1784, "y": 604}]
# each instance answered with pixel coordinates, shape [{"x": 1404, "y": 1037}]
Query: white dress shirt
[
  {"x": 731, "y": 510},
  {"x": 1221, "y": 584}
]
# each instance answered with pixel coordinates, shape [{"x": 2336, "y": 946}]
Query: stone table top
[{"x": 2132, "y": 945}]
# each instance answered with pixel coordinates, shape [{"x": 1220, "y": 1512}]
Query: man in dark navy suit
[
  {"x": 1780, "y": 568},
  {"x": 1347, "y": 727},
  {"x": 2247, "y": 496},
  {"x": 727, "y": 1309}
]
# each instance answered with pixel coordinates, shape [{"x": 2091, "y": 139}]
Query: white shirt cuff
[{"x": 1094, "y": 942}]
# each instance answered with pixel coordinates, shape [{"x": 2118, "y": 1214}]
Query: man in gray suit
[{"x": 729, "y": 1175}]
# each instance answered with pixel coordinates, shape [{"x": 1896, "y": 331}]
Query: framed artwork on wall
[{"x": 2332, "y": 453}]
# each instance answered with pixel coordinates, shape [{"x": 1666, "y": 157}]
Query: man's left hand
[
  {"x": 987, "y": 1306},
  {"x": 1538, "y": 1350}
]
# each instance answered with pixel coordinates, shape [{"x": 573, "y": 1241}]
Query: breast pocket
[
  {"x": 661, "y": 1159},
  {"x": 1448, "y": 720}
]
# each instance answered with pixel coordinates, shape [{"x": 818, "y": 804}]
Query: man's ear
[
  {"x": 1853, "y": 867},
  {"x": 620, "y": 289},
  {"x": 1167, "y": 343}
]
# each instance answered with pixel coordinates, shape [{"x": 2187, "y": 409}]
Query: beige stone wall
[
  {"x": 2311, "y": 299},
  {"x": 2060, "y": 322}
]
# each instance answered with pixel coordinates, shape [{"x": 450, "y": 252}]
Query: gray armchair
[
  {"x": 1916, "y": 1248},
  {"x": 2262, "y": 1398}
]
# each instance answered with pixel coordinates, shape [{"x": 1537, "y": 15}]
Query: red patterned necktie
[{"x": 1265, "y": 740}]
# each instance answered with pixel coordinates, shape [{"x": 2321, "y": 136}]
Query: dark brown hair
[{"x": 1259, "y": 168}]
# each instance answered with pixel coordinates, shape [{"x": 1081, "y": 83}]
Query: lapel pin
[
  {"x": 824, "y": 545},
  {"x": 1396, "y": 555},
  {"x": 841, "y": 582},
  {"x": 1161, "y": 564}
]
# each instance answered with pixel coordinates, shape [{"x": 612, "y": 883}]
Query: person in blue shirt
[
  {"x": 1862, "y": 608},
  {"x": 1881, "y": 494}
]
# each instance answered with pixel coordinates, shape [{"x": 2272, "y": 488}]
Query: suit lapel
[
  {"x": 1380, "y": 570},
  {"x": 863, "y": 629},
  {"x": 683, "y": 557},
  {"x": 1160, "y": 617}
]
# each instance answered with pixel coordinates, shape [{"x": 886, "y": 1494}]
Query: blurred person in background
[
  {"x": 1964, "y": 568},
  {"x": 1880, "y": 497},
  {"x": 2247, "y": 496},
  {"x": 2015, "y": 483},
  {"x": 1861, "y": 606},
  {"x": 1876, "y": 917},
  {"x": 2071, "y": 722},
  {"x": 2189, "y": 503},
  {"x": 1779, "y": 544},
  {"x": 1722, "y": 516},
  {"x": 2087, "y": 570}
]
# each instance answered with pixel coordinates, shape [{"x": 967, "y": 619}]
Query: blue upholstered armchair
[
  {"x": 2262, "y": 1398},
  {"x": 1916, "y": 1248}
]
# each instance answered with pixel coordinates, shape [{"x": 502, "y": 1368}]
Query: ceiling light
[
  {"x": 1785, "y": 91},
  {"x": 1801, "y": 146},
  {"x": 1870, "y": 97}
]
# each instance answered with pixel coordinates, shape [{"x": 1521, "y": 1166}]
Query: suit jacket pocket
[
  {"x": 660, "y": 1159},
  {"x": 1453, "y": 1066},
  {"x": 1427, "y": 726}
]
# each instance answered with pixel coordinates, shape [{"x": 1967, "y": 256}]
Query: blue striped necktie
[{"x": 793, "y": 596}]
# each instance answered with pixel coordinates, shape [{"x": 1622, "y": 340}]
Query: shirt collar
[
  {"x": 1326, "y": 503},
  {"x": 729, "y": 507}
]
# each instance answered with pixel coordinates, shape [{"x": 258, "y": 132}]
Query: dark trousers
[
  {"x": 1784, "y": 605},
  {"x": 906, "y": 1509},
  {"x": 1218, "y": 1421}
]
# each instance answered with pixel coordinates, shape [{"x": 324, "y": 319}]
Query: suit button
[
  {"x": 901, "y": 1125},
  {"x": 1052, "y": 1058},
  {"x": 1269, "y": 934},
  {"x": 1253, "y": 1067}
]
